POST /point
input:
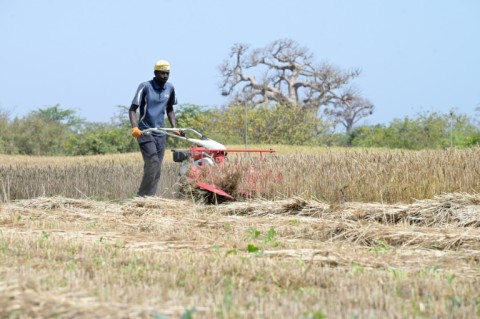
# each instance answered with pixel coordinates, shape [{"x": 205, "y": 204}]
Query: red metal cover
[{"x": 214, "y": 189}]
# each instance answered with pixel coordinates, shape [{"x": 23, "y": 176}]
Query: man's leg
[
  {"x": 160, "y": 143},
  {"x": 151, "y": 167}
]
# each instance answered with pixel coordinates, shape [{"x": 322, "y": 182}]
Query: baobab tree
[
  {"x": 284, "y": 73},
  {"x": 349, "y": 110}
]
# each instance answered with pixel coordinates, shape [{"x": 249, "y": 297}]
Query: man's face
[{"x": 161, "y": 76}]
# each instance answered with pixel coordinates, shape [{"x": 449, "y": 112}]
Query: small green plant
[
  {"x": 188, "y": 313},
  {"x": 100, "y": 262},
  {"x": 450, "y": 278},
  {"x": 381, "y": 247},
  {"x": 43, "y": 238},
  {"x": 269, "y": 238},
  {"x": 232, "y": 251},
  {"x": 252, "y": 248},
  {"x": 432, "y": 269},
  {"x": 253, "y": 233},
  {"x": 119, "y": 245},
  {"x": 71, "y": 265},
  {"x": 456, "y": 301},
  {"x": 357, "y": 268},
  {"x": 397, "y": 273},
  {"x": 319, "y": 314},
  {"x": 226, "y": 306},
  {"x": 294, "y": 222},
  {"x": 3, "y": 246}
]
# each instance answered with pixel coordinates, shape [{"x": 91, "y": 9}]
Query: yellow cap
[{"x": 162, "y": 65}]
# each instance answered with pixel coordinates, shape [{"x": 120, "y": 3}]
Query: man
[{"x": 154, "y": 98}]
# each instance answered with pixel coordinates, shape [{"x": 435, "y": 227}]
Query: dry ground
[{"x": 291, "y": 258}]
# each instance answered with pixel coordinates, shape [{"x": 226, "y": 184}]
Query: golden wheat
[{"x": 360, "y": 175}]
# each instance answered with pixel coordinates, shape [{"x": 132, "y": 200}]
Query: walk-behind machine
[{"x": 209, "y": 176}]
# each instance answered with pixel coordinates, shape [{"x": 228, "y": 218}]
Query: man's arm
[
  {"x": 171, "y": 115},
  {"x": 170, "y": 112},
  {"x": 132, "y": 114},
  {"x": 171, "y": 118}
]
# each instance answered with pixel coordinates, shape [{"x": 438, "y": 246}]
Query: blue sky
[{"x": 90, "y": 55}]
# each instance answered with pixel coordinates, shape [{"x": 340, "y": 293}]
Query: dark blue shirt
[{"x": 154, "y": 101}]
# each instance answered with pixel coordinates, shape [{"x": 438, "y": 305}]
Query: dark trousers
[{"x": 153, "y": 150}]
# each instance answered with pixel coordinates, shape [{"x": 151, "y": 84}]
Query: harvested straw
[
  {"x": 456, "y": 209},
  {"x": 291, "y": 206},
  {"x": 34, "y": 303},
  {"x": 153, "y": 257},
  {"x": 369, "y": 234},
  {"x": 155, "y": 205}
]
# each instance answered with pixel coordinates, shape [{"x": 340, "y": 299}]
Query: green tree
[
  {"x": 427, "y": 130},
  {"x": 274, "y": 124},
  {"x": 6, "y": 133},
  {"x": 472, "y": 140},
  {"x": 101, "y": 138},
  {"x": 371, "y": 136},
  {"x": 195, "y": 116},
  {"x": 45, "y": 131},
  {"x": 41, "y": 132},
  {"x": 56, "y": 114}
]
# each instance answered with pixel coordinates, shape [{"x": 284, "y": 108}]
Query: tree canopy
[
  {"x": 56, "y": 131},
  {"x": 286, "y": 73}
]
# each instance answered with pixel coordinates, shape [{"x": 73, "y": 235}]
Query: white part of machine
[
  {"x": 208, "y": 144},
  {"x": 205, "y": 142},
  {"x": 206, "y": 161}
]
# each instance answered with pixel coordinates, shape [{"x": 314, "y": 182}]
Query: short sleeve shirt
[{"x": 154, "y": 101}]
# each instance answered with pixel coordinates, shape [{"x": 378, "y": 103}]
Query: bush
[{"x": 98, "y": 138}]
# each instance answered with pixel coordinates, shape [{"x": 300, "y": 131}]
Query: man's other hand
[
  {"x": 136, "y": 132},
  {"x": 179, "y": 132}
]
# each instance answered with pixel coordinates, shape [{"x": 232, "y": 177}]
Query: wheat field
[
  {"x": 344, "y": 234},
  {"x": 360, "y": 175}
]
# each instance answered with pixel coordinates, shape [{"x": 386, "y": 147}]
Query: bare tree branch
[
  {"x": 349, "y": 109},
  {"x": 289, "y": 77}
]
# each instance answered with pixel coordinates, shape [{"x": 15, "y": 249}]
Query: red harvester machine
[{"x": 204, "y": 167}]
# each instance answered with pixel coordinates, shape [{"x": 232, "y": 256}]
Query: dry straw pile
[{"x": 291, "y": 258}]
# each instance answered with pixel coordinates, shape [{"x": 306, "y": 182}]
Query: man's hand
[
  {"x": 136, "y": 132},
  {"x": 179, "y": 132}
]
